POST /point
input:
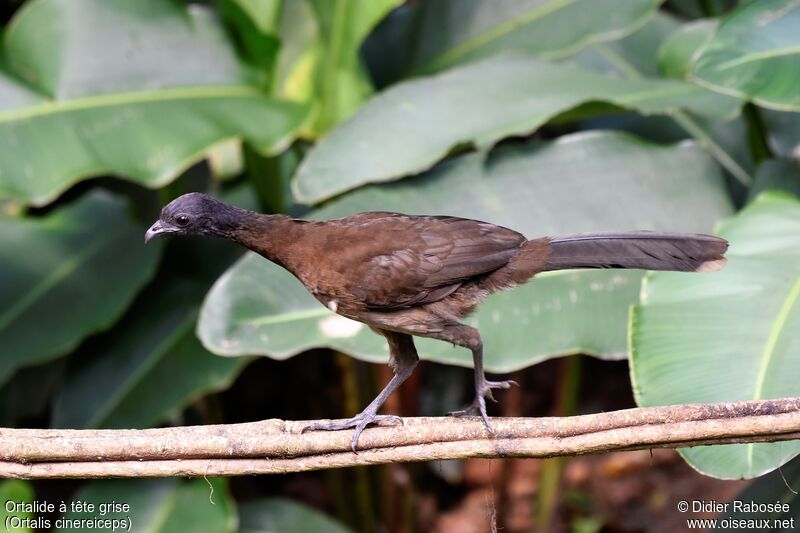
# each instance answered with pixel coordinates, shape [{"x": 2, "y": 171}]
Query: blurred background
[{"x": 546, "y": 116}]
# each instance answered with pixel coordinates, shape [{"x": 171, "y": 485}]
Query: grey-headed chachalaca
[{"x": 409, "y": 275}]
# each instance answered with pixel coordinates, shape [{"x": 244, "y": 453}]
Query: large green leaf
[
  {"x": 66, "y": 275},
  {"x": 151, "y": 367},
  {"x": 16, "y": 491},
  {"x": 640, "y": 55},
  {"x": 137, "y": 88},
  {"x": 662, "y": 43},
  {"x": 506, "y": 96},
  {"x": 755, "y": 54},
  {"x": 255, "y": 24},
  {"x": 151, "y": 364},
  {"x": 318, "y": 61},
  {"x": 774, "y": 488},
  {"x": 342, "y": 83},
  {"x": 777, "y": 174},
  {"x": 298, "y": 30},
  {"x": 280, "y": 514},
  {"x": 635, "y": 51},
  {"x": 155, "y": 505},
  {"x": 580, "y": 183},
  {"x": 263, "y": 13},
  {"x": 427, "y": 37},
  {"x": 731, "y": 335},
  {"x": 676, "y": 53},
  {"x": 783, "y": 132},
  {"x": 30, "y": 392}
]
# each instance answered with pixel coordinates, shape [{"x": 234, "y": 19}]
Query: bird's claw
[
  {"x": 478, "y": 406},
  {"x": 497, "y": 385},
  {"x": 359, "y": 422}
]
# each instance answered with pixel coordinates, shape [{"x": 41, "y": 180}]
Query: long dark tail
[{"x": 648, "y": 250}]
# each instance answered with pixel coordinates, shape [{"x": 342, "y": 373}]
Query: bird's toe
[{"x": 359, "y": 422}]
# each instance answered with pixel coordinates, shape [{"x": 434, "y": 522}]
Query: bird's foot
[
  {"x": 478, "y": 407},
  {"x": 359, "y": 422}
]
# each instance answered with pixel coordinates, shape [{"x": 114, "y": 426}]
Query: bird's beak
[{"x": 154, "y": 231}]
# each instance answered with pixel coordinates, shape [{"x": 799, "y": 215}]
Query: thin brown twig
[{"x": 275, "y": 446}]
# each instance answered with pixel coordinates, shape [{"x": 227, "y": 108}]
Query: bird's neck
[{"x": 271, "y": 236}]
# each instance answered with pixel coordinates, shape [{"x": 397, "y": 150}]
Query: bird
[{"x": 421, "y": 275}]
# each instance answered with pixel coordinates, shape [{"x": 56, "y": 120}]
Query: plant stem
[
  {"x": 708, "y": 8},
  {"x": 756, "y": 133},
  {"x": 692, "y": 127},
  {"x": 706, "y": 141},
  {"x": 266, "y": 175}
]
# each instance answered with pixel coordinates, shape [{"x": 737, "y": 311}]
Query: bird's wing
[{"x": 400, "y": 261}]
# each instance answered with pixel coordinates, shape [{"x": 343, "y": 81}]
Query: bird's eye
[{"x": 182, "y": 220}]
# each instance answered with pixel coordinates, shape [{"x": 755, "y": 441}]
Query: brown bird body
[{"x": 421, "y": 275}]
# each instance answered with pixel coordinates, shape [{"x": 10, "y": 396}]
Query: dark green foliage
[{"x": 476, "y": 108}]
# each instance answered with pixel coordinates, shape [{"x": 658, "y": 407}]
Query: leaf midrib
[
  {"x": 492, "y": 34},
  {"x": 64, "y": 270},
  {"x": 654, "y": 93},
  {"x": 686, "y": 121},
  {"x": 330, "y": 67},
  {"x": 758, "y": 56},
  {"x": 52, "y": 107},
  {"x": 155, "y": 356},
  {"x": 778, "y": 327},
  {"x": 287, "y": 317}
]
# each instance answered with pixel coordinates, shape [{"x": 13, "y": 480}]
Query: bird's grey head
[{"x": 196, "y": 214}]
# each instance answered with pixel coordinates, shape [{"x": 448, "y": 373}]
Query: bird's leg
[
  {"x": 403, "y": 360},
  {"x": 470, "y": 338}
]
